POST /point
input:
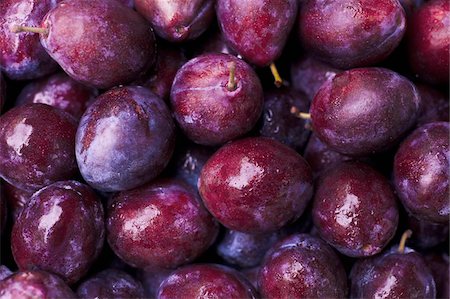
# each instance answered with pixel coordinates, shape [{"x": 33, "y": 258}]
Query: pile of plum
[{"x": 224, "y": 149}]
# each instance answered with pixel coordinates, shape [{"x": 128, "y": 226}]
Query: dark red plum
[
  {"x": 159, "y": 225},
  {"x": 22, "y": 56},
  {"x": 256, "y": 185},
  {"x": 350, "y": 34},
  {"x": 398, "y": 273},
  {"x": 308, "y": 75},
  {"x": 421, "y": 172},
  {"x": 429, "y": 42},
  {"x": 364, "y": 111},
  {"x": 252, "y": 276},
  {"x": 246, "y": 250},
  {"x": 60, "y": 230},
  {"x": 59, "y": 91},
  {"x": 206, "y": 281},
  {"x": 34, "y": 284},
  {"x": 37, "y": 146},
  {"x": 213, "y": 106},
  {"x": 279, "y": 123},
  {"x": 90, "y": 40},
  {"x": 355, "y": 209},
  {"x": 110, "y": 284},
  {"x": 16, "y": 198},
  {"x": 302, "y": 266},
  {"x": 439, "y": 266},
  {"x": 434, "y": 107},
  {"x": 320, "y": 157},
  {"x": 427, "y": 234},
  {"x": 125, "y": 138},
  {"x": 129, "y": 3},
  {"x": 168, "y": 62},
  {"x": 177, "y": 20},
  {"x": 4, "y": 272},
  {"x": 257, "y": 29}
]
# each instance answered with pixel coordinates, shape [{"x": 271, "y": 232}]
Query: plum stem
[
  {"x": 299, "y": 114},
  {"x": 20, "y": 28},
  {"x": 405, "y": 236},
  {"x": 278, "y": 81},
  {"x": 231, "y": 85}
]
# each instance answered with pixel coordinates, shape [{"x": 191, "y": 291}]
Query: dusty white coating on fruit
[{"x": 20, "y": 137}]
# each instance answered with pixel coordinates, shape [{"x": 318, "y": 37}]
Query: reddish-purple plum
[
  {"x": 21, "y": 55},
  {"x": 429, "y": 42},
  {"x": 350, "y": 34},
  {"x": 302, "y": 266},
  {"x": 37, "y": 144},
  {"x": 257, "y": 29},
  {"x": 421, "y": 172},
  {"x": 206, "y": 281},
  {"x": 162, "y": 224},
  {"x": 279, "y": 123},
  {"x": 308, "y": 75},
  {"x": 125, "y": 138},
  {"x": 177, "y": 20},
  {"x": 398, "y": 273},
  {"x": 59, "y": 91},
  {"x": 60, "y": 230},
  {"x": 110, "y": 284},
  {"x": 439, "y": 266},
  {"x": 90, "y": 40},
  {"x": 34, "y": 284},
  {"x": 434, "y": 105},
  {"x": 256, "y": 185},
  {"x": 355, "y": 209},
  {"x": 427, "y": 234},
  {"x": 16, "y": 198},
  {"x": 151, "y": 280},
  {"x": 364, "y": 111},
  {"x": 216, "y": 98}
]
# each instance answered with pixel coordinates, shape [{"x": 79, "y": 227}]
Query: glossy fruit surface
[
  {"x": 350, "y": 34},
  {"x": 90, "y": 40},
  {"x": 355, "y": 209},
  {"x": 207, "y": 110},
  {"x": 256, "y": 185},
  {"x": 257, "y": 29},
  {"x": 421, "y": 172},
  {"x": 46, "y": 237},
  {"x": 346, "y": 110},
  {"x": 125, "y": 138},
  {"x": 22, "y": 55},
  {"x": 159, "y": 225},
  {"x": 210, "y": 280},
  {"x": 302, "y": 266},
  {"x": 37, "y": 146}
]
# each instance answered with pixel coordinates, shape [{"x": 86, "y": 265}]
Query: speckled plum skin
[
  {"x": 434, "y": 107},
  {"x": 256, "y": 185},
  {"x": 439, "y": 265},
  {"x": 60, "y": 91},
  {"x": 279, "y": 123},
  {"x": 246, "y": 250},
  {"x": 364, "y": 111},
  {"x": 392, "y": 275},
  {"x": 429, "y": 42},
  {"x": 168, "y": 62},
  {"x": 22, "y": 56},
  {"x": 355, "y": 209},
  {"x": 308, "y": 75},
  {"x": 177, "y": 20},
  {"x": 354, "y": 33},
  {"x": 427, "y": 234},
  {"x": 90, "y": 40},
  {"x": 206, "y": 281},
  {"x": 125, "y": 138},
  {"x": 257, "y": 29},
  {"x": 159, "y": 225},
  {"x": 110, "y": 283},
  {"x": 34, "y": 284},
  {"x": 45, "y": 235},
  {"x": 421, "y": 172},
  {"x": 17, "y": 198},
  {"x": 207, "y": 112},
  {"x": 302, "y": 266},
  {"x": 37, "y": 146}
]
